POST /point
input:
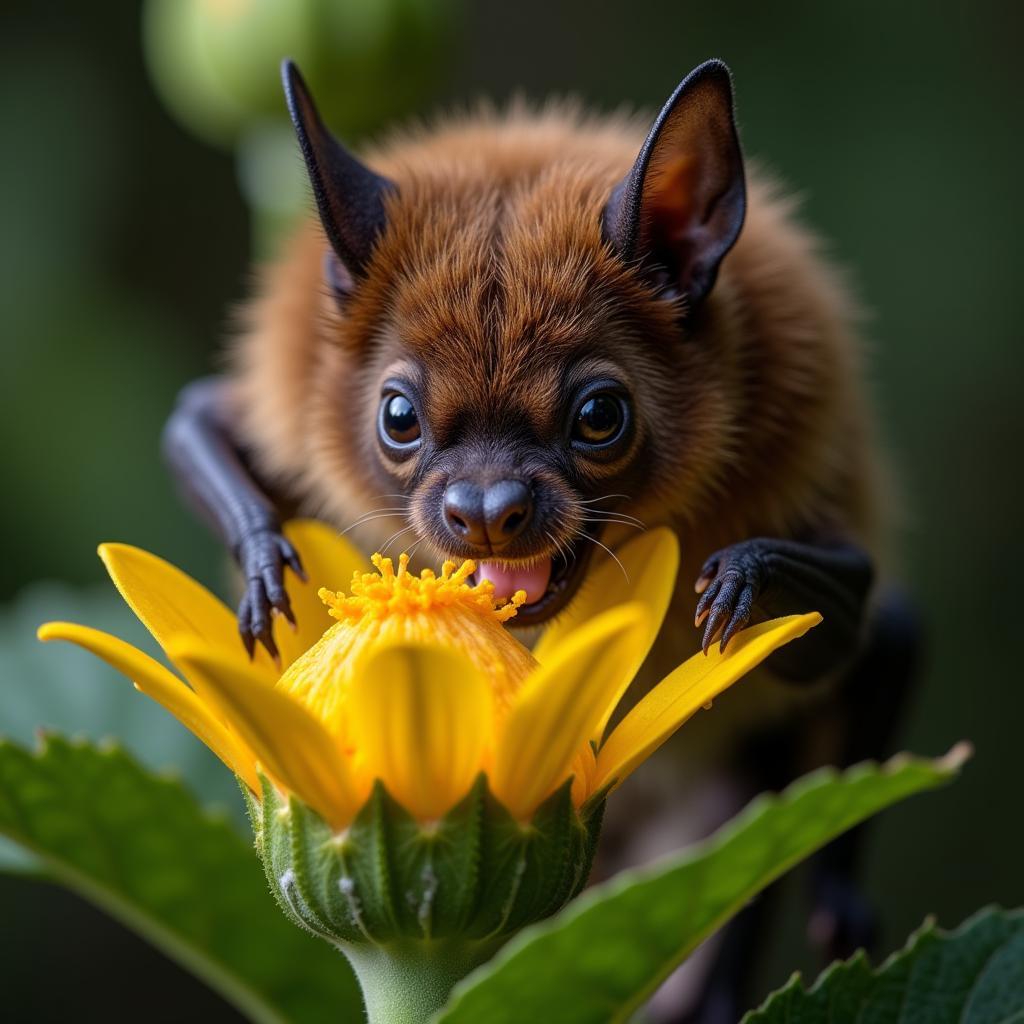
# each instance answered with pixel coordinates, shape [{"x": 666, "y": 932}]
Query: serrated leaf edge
[{"x": 928, "y": 929}]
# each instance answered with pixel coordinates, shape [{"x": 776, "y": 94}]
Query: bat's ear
[
  {"x": 349, "y": 196},
  {"x": 681, "y": 207}
]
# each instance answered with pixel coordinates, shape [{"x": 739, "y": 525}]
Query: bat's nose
[{"x": 490, "y": 516}]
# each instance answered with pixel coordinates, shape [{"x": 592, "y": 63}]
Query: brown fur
[{"x": 492, "y": 272}]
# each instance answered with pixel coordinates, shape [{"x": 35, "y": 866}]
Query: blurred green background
[{"x": 126, "y": 239}]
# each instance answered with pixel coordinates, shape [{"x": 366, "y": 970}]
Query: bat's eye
[
  {"x": 399, "y": 424},
  {"x": 600, "y": 420}
]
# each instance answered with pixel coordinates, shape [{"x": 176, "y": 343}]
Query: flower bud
[{"x": 476, "y": 875}]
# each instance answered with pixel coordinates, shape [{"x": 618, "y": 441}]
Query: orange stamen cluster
[{"x": 378, "y": 595}]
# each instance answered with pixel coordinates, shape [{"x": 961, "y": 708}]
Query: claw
[
  {"x": 260, "y": 627},
  {"x": 276, "y": 594},
  {"x": 723, "y": 598},
  {"x": 707, "y": 598},
  {"x": 254, "y": 620},
  {"x": 729, "y": 584},
  {"x": 715, "y": 621},
  {"x": 292, "y": 560},
  {"x": 740, "y": 615},
  {"x": 248, "y": 640},
  {"x": 263, "y": 556},
  {"x": 267, "y": 639},
  {"x": 707, "y": 574},
  {"x": 245, "y": 627}
]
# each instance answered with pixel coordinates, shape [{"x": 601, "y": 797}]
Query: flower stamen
[{"x": 385, "y": 593}]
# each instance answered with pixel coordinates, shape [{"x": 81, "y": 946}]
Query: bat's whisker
[
  {"x": 604, "y": 497},
  {"x": 593, "y": 540},
  {"x": 398, "y": 533},
  {"x": 369, "y": 517}
]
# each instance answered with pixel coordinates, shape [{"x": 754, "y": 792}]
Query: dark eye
[
  {"x": 600, "y": 420},
  {"x": 398, "y": 421}
]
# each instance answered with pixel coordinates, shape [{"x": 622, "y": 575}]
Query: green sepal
[
  {"x": 592, "y": 817},
  {"x": 476, "y": 874},
  {"x": 363, "y": 854},
  {"x": 440, "y": 867},
  {"x": 273, "y": 845},
  {"x": 525, "y": 866}
]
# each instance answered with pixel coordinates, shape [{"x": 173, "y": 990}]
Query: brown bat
[{"x": 520, "y": 336}]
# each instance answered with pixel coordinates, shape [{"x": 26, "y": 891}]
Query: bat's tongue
[{"x": 507, "y": 579}]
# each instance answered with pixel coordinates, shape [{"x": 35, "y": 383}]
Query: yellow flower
[{"x": 418, "y": 683}]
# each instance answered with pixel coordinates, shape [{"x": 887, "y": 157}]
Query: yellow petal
[
  {"x": 329, "y": 561},
  {"x": 648, "y": 573},
  {"x": 422, "y": 719},
  {"x": 584, "y": 768},
  {"x": 287, "y": 740},
  {"x": 692, "y": 685},
  {"x": 174, "y": 607},
  {"x": 155, "y": 681},
  {"x": 651, "y": 562},
  {"x": 559, "y": 706}
]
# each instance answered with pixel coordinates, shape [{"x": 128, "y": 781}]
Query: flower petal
[
  {"x": 584, "y": 768},
  {"x": 329, "y": 561},
  {"x": 650, "y": 562},
  {"x": 287, "y": 740},
  {"x": 155, "y": 681},
  {"x": 687, "y": 689},
  {"x": 173, "y": 606},
  {"x": 559, "y": 706},
  {"x": 422, "y": 718}
]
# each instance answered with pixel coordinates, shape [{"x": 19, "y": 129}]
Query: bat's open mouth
[{"x": 549, "y": 582}]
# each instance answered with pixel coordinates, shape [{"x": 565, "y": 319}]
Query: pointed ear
[
  {"x": 349, "y": 196},
  {"x": 681, "y": 207}
]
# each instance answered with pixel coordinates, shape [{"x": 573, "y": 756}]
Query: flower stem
[{"x": 408, "y": 982}]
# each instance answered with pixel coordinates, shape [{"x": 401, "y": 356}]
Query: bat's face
[
  {"x": 525, "y": 406},
  {"x": 522, "y": 481},
  {"x": 515, "y": 447},
  {"x": 511, "y": 366}
]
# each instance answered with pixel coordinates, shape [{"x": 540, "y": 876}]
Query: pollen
[
  {"x": 393, "y": 604},
  {"x": 387, "y": 593}
]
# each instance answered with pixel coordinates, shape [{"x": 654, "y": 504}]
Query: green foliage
[
  {"x": 605, "y": 954},
  {"x": 61, "y": 688},
  {"x": 137, "y": 845},
  {"x": 974, "y": 975}
]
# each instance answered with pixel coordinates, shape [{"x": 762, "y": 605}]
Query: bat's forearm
[
  {"x": 208, "y": 464},
  {"x": 832, "y": 578}
]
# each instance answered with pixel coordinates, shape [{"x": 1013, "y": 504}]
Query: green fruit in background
[
  {"x": 383, "y": 63},
  {"x": 215, "y": 62}
]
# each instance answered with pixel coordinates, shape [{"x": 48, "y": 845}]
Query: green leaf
[
  {"x": 605, "y": 954},
  {"x": 974, "y": 975},
  {"x": 139, "y": 847},
  {"x": 62, "y": 688}
]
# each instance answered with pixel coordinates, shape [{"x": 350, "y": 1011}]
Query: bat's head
[{"x": 515, "y": 365}]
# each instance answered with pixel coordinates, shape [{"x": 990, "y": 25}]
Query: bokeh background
[{"x": 127, "y": 232}]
